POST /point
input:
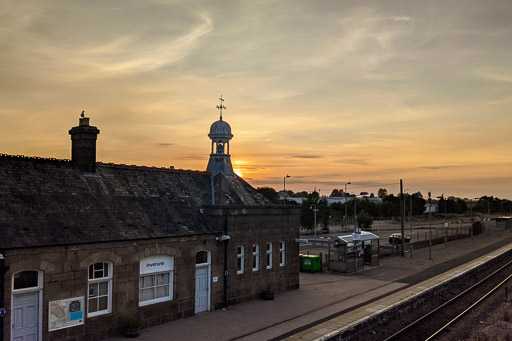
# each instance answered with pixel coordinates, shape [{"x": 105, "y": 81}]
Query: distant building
[
  {"x": 85, "y": 244},
  {"x": 431, "y": 209},
  {"x": 332, "y": 200}
]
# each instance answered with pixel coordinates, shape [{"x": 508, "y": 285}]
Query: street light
[
  {"x": 345, "y": 195},
  {"x": 313, "y": 207},
  {"x": 284, "y": 188},
  {"x": 410, "y": 217},
  {"x": 445, "y": 222}
]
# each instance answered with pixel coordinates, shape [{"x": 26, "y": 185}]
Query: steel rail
[
  {"x": 412, "y": 324},
  {"x": 468, "y": 309}
]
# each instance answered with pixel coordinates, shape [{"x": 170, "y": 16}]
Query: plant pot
[
  {"x": 131, "y": 332},
  {"x": 267, "y": 295}
]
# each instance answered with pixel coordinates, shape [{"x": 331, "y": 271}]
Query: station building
[{"x": 86, "y": 244}]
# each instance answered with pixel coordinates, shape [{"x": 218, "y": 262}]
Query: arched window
[
  {"x": 27, "y": 280},
  {"x": 99, "y": 295}
]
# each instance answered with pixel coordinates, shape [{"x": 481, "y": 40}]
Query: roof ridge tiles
[
  {"x": 143, "y": 167},
  {"x": 33, "y": 158},
  {"x": 107, "y": 164}
]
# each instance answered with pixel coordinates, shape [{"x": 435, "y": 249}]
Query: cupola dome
[
  {"x": 220, "y": 129},
  {"x": 220, "y": 134}
]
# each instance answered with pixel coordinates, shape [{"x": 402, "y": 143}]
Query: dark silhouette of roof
[{"x": 51, "y": 202}]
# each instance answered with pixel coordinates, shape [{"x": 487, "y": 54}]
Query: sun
[{"x": 238, "y": 172}]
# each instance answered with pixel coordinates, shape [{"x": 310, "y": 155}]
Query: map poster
[{"x": 66, "y": 313}]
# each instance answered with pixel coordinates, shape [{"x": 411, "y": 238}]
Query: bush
[{"x": 364, "y": 220}]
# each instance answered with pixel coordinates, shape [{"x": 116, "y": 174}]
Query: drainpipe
[
  {"x": 226, "y": 263},
  {"x": 212, "y": 184},
  {"x": 3, "y": 270},
  {"x": 226, "y": 274}
]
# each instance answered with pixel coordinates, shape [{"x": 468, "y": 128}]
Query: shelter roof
[{"x": 365, "y": 235}]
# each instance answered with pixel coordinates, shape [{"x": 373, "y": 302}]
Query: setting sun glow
[{"x": 342, "y": 91}]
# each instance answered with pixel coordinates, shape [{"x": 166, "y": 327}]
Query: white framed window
[
  {"x": 99, "y": 293},
  {"x": 282, "y": 258},
  {"x": 240, "y": 258},
  {"x": 28, "y": 280},
  {"x": 255, "y": 257},
  {"x": 156, "y": 280},
  {"x": 269, "y": 255}
]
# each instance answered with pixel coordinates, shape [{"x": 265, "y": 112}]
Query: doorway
[
  {"x": 202, "y": 299},
  {"x": 27, "y": 306}
]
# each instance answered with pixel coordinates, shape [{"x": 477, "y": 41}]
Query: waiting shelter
[{"x": 351, "y": 252}]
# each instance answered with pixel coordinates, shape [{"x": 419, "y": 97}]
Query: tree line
[{"x": 367, "y": 210}]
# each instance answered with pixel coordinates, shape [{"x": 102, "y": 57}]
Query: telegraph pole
[
  {"x": 402, "y": 216},
  {"x": 410, "y": 222},
  {"x": 430, "y": 225}
]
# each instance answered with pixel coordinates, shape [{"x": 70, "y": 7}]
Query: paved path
[{"x": 322, "y": 296}]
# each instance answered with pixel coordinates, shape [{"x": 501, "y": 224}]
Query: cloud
[
  {"x": 136, "y": 54},
  {"x": 191, "y": 157},
  {"x": 403, "y": 18},
  {"x": 438, "y": 167},
  {"x": 353, "y": 162},
  {"x": 307, "y": 156},
  {"x": 164, "y": 144}
]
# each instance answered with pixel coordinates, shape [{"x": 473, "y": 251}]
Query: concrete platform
[
  {"x": 337, "y": 325},
  {"x": 326, "y": 303}
]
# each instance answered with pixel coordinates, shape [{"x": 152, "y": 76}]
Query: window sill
[
  {"x": 99, "y": 313},
  {"x": 157, "y": 300}
]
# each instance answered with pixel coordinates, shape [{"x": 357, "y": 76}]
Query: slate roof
[{"x": 51, "y": 202}]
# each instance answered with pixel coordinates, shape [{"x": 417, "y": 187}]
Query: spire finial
[{"x": 221, "y": 106}]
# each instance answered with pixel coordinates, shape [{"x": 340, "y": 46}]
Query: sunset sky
[{"x": 326, "y": 91}]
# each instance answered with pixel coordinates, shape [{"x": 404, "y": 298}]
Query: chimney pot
[{"x": 84, "y": 121}]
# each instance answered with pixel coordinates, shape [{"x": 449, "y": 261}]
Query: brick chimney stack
[{"x": 83, "y": 145}]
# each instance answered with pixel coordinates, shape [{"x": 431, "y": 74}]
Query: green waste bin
[{"x": 311, "y": 263}]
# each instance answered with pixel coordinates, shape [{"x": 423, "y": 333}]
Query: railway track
[{"x": 432, "y": 324}]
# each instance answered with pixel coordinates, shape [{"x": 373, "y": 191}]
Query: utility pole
[
  {"x": 355, "y": 213},
  {"x": 430, "y": 225},
  {"x": 402, "y": 216},
  {"x": 284, "y": 189},
  {"x": 410, "y": 222},
  {"x": 346, "y": 199}
]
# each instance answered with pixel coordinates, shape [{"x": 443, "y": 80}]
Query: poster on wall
[{"x": 66, "y": 313}]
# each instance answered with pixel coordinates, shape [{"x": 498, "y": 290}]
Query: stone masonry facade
[{"x": 65, "y": 271}]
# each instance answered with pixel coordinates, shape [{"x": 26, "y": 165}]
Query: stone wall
[
  {"x": 66, "y": 270},
  {"x": 260, "y": 226},
  {"x": 65, "y": 276}
]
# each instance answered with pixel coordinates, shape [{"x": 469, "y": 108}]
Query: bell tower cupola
[{"x": 220, "y": 134}]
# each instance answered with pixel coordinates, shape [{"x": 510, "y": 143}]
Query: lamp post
[
  {"x": 284, "y": 189},
  {"x": 410, "y": 218},
  {"x": 345, "y": 195},
  {"x": 445, "y": 222},
  {"x": 313, "y": 207}
]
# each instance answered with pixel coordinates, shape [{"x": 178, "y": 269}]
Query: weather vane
[{"x": 221, "y": 106}]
